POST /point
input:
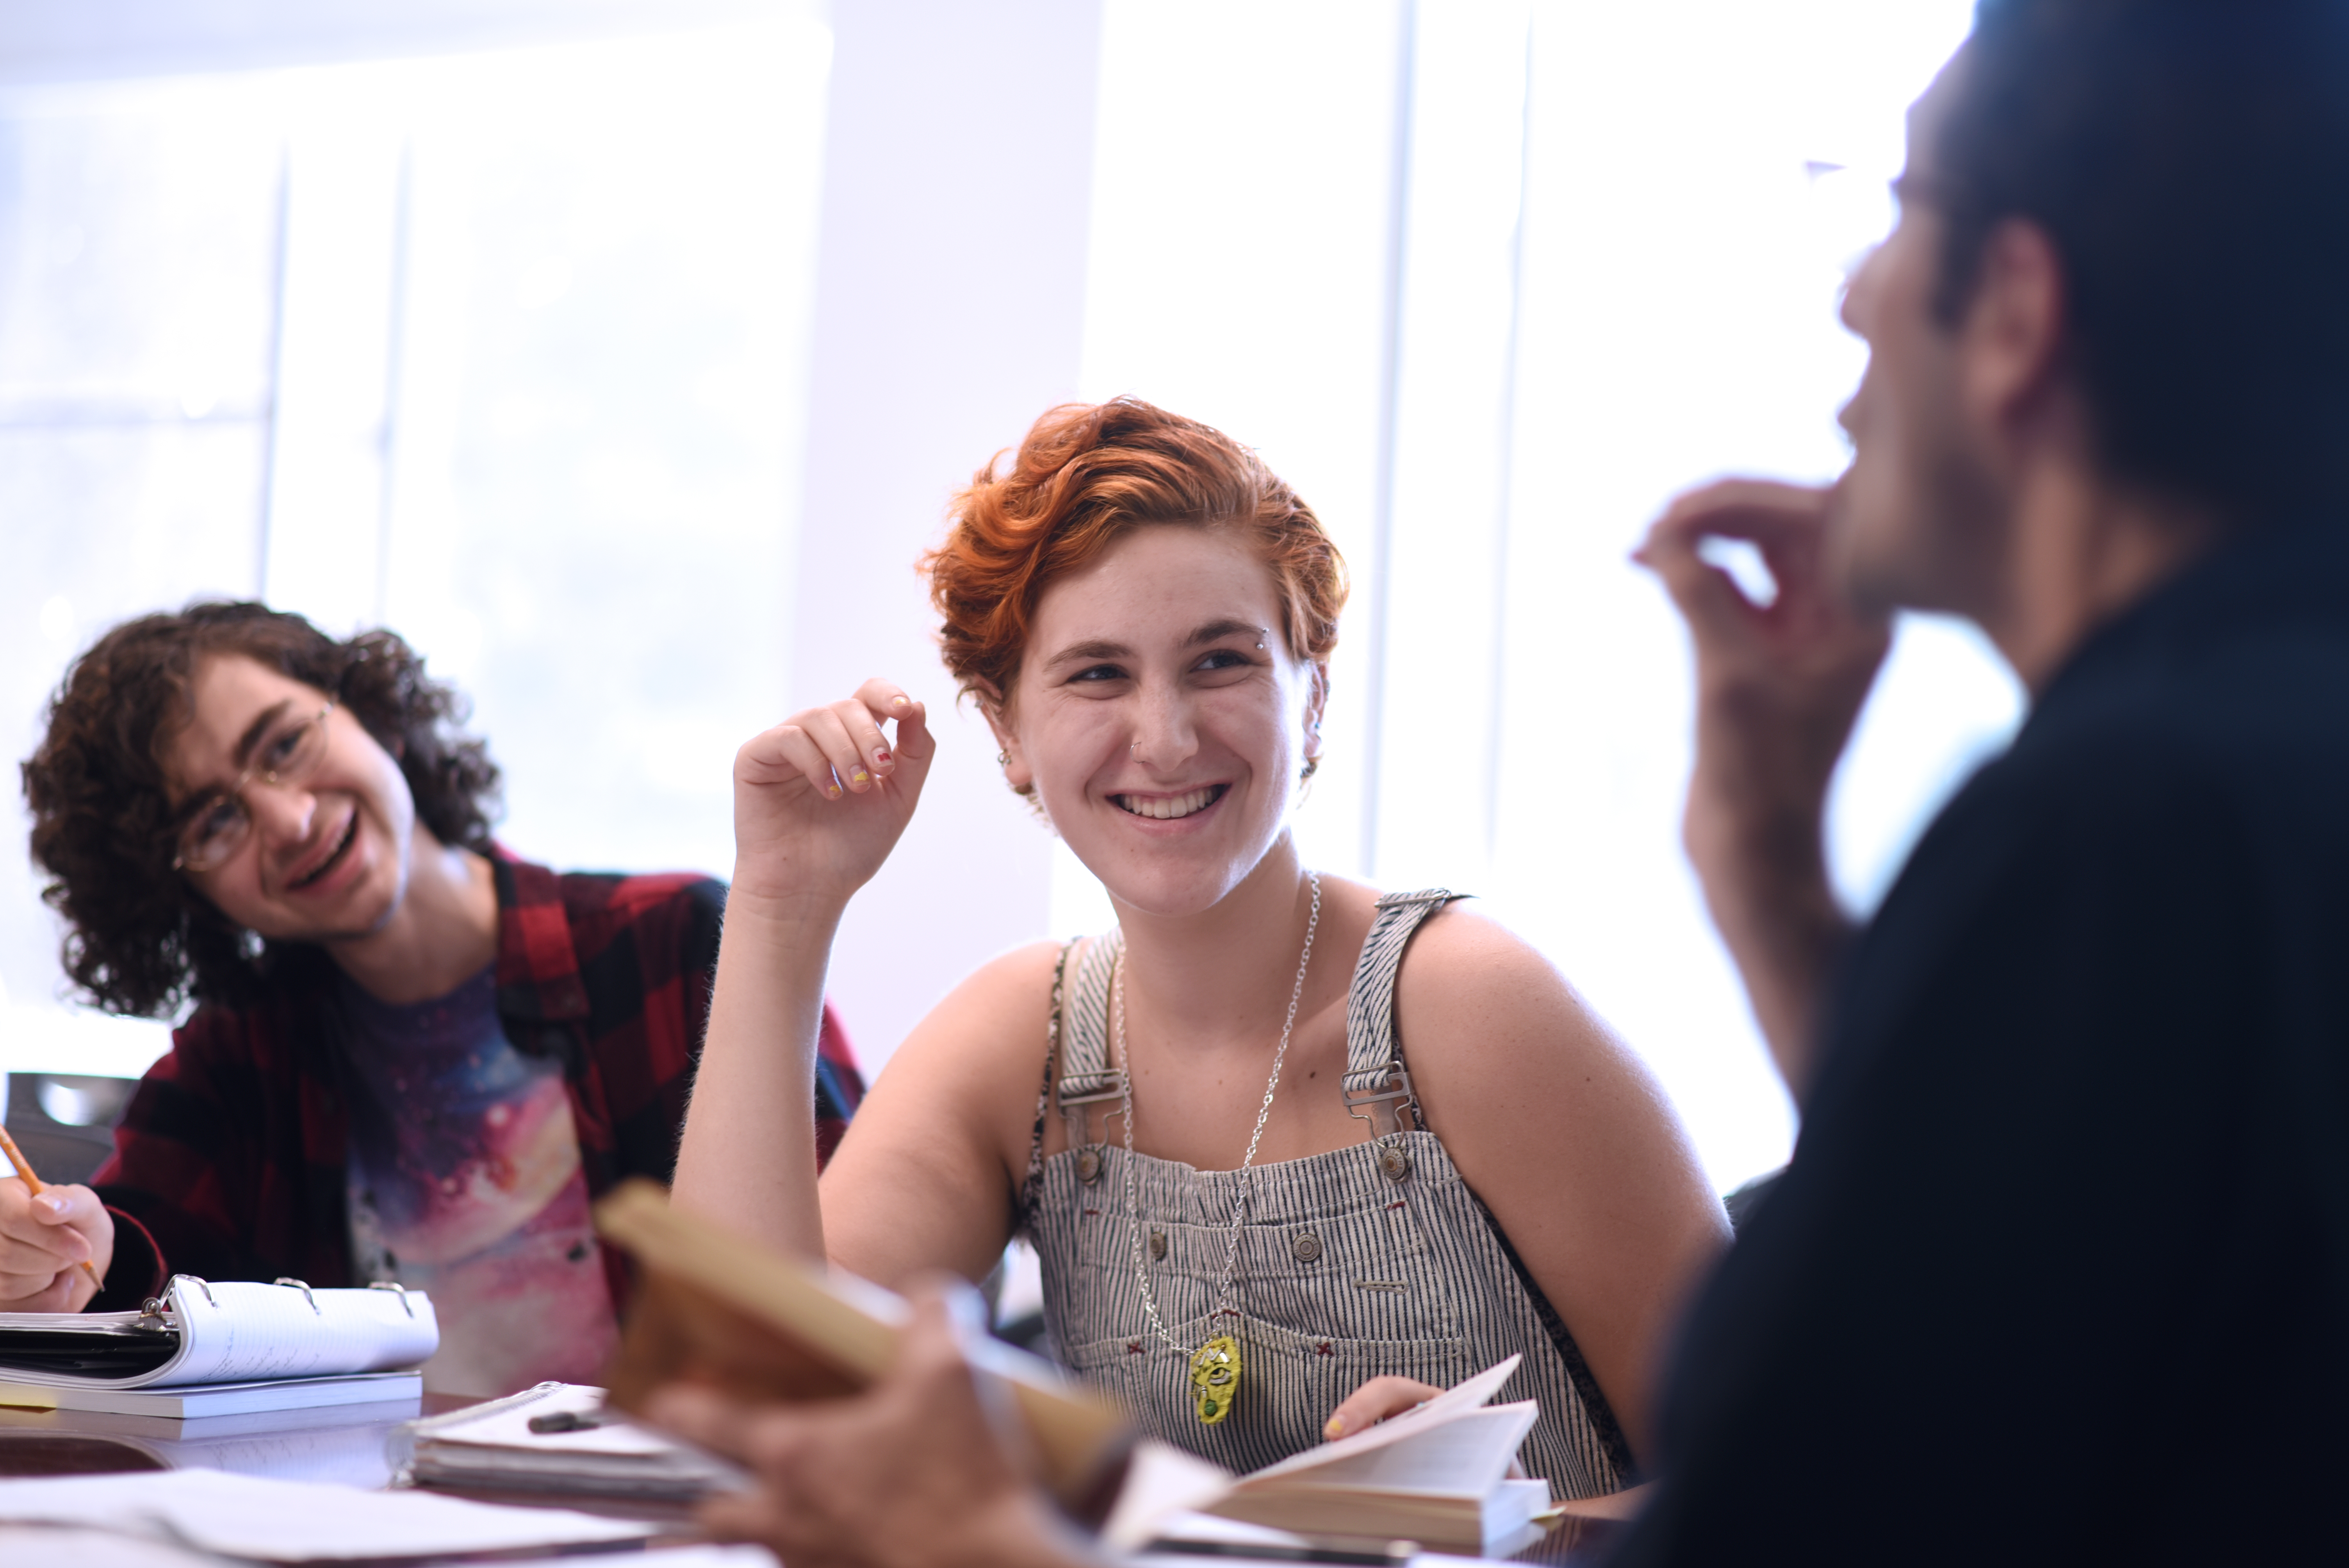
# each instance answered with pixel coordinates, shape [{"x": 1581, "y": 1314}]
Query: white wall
[
  {"x": 1014, "y": 203},
  {"x": 949, "y": 312}
]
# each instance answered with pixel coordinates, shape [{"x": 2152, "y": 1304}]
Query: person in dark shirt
[
  {"x": 2060, "y": 1269},
  {"x": 414, "y": 1057}
]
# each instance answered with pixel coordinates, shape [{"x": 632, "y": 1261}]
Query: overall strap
[
  {"x": 1032, "y": 1183},
  {"x": 1375, "y": 1074},
  {"x": 1086, "y": 1077}
]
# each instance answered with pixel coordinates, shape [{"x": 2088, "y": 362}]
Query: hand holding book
[
  {"x": 881, "y": 1478},
  {"x": 952, "y": 1433}
]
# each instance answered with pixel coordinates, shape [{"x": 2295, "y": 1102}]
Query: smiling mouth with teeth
[
  {"x": 1167, "y": 808},
  {"x": 350, "y": 833}
]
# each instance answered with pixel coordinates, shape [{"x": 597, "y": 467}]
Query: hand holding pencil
[{"x": 54, "y": 1241}]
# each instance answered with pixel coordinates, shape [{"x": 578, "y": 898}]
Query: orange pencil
[{"x": 24, "y": 1169}]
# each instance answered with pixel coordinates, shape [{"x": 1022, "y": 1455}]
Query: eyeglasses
[{"x": 218, "y": 828}]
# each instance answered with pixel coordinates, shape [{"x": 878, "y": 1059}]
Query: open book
[
  {"x": 212, "y": 1348},
  {"x": 1438, "y": 1475},
  {"x": 726, "y": 1313}
]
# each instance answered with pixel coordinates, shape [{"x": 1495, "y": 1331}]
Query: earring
[
  {"x": 1003, "y": 759},
  {"x": 1311, "y": 764}
]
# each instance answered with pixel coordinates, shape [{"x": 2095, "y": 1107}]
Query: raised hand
[
  {"x": 43, "y": 1242},
  {"x": 1779, "y": 686},
  {"x": 821, "y": 799}
]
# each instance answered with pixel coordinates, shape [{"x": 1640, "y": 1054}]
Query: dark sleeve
[
  {"x": 2053, "y": 1254},
  {"x": 839, "y": 1085},
  {"x": 649, "y": 974},
  {"x": 839, "y": 1082},
  {"x": 181, "y": 1179}
]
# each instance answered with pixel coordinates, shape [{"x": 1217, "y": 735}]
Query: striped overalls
[{"x": 1367, "y": 1260}]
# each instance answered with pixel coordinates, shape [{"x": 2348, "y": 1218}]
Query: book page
[
  {"x": 1465, "y": 1455},
  {"x": 1447, "y": 1406},
  {"x": 264, "y": 1520},
  {"x": 1161, "y": 1482},
  {"x": 236, "y": 1331}
]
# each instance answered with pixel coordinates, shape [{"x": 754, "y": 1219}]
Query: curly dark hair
[{"x": 139, "y": 939}]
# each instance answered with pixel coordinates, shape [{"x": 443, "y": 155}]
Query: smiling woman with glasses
[{"x": 216, "y": 826}]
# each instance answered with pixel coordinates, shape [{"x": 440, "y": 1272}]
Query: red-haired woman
[{"x": 1355, "y": 1137}]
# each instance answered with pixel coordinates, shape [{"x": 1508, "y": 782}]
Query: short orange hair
[{"x": 1087, "y": 474}]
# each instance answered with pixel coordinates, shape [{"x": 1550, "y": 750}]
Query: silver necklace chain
[{"x": 1272, "y": 1087}]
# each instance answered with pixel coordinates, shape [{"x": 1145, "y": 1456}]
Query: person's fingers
[
  {"x": 784, "y": 753},
  {"x": 829, "y": 731},
  {"x": 76, "y": 1206},
  {"x": 702, "y": 1416},
  {"x": 753, "y": 1516},
  {"x": 914, "y": 737},
  {"x": 1376, "y": 1400},
  {"x": 21, "y": 1277},
  {"x": 1708, "y": 598},
  {"x": 910, "y": 758},
  {"x": 880, "y": 701},
  {"x": 36, "y": 1246},
  {"x": 81, "y": 1288},
  {"x": 1786, "y": 523},
  {"x": 930, "y": 1344},
  {"x": 868, "y": 748},
  {"x": 56, "y": 1295},
  {"x": 1765, "y": 511},
  {"x": 35, "y": 1236}
]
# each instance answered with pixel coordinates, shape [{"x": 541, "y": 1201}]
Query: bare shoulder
[
  {"x": 1476, "y": 1003},
  {"x": 1464, "y": 959},
  {"x": 1016, "y": 981}
]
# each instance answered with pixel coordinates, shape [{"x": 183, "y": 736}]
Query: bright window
[
  {"x": 1620, "y": 265},
  {"x": 503, "y": 350}
]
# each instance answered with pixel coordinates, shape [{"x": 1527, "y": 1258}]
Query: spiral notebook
[{"x": 219, "y": 1348}]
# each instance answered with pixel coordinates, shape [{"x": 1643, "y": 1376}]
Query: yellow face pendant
[{"x": 1216, "y": 1377}]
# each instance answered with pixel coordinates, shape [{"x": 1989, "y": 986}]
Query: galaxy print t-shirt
[{"x": 465, "y": 1181}]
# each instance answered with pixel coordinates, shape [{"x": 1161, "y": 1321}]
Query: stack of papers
[
  {"x": 241, "y": 1516},
  {"x": 557, "y": 1438}
]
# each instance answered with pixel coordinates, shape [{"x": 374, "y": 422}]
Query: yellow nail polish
[
  {"x": 832, "y": 790},
  {"x": 1334, "y": 1429},
  {"x": 860, "y": 776},
  {"x": 899, "y": 701}
]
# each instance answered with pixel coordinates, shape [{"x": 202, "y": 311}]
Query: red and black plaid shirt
[{"x": 230, "y": 1162}]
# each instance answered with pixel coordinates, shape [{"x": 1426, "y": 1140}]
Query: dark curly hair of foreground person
[{"x": 139, "y": 939}]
